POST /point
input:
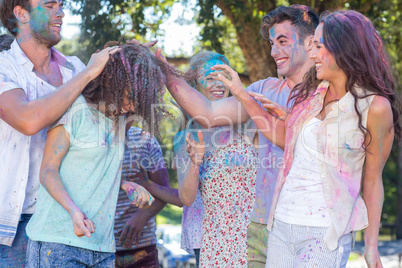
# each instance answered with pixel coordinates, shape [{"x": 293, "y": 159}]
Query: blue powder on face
[{"x": 207, "y": 66}]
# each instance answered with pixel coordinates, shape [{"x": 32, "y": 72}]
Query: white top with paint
[
  {"x": 21, "y": 155},
  {"x": 301, "y": 200}
]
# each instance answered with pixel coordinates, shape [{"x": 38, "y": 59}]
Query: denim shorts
[
  {"x": 14, "y": 256},
  {"x": 291, "y": 245},
  {"x": 45, "y": 254}
]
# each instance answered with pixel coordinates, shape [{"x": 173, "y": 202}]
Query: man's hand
[
  {"x": 82, "y": 225},
  {"x": 98, "y": 61},
  {"x": 133, "y": 228},
  {"x": 272, "y": 107},
  {"x": 196, "y": 150}
]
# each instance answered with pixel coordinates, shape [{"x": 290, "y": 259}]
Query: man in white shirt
[{"x": 37, "y": 85}]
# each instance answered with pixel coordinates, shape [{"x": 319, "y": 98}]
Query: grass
[{"x": 169, "y": 215}]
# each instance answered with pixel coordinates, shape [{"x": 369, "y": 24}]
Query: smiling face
[
  {"x": 288, "y": 52},
  {"x": 325, "y": 63},
  {"x": 210, "y": 88},
  {"x": 45, "y": 21}
]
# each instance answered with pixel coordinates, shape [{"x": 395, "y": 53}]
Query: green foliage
[
  {"x": 169, "y": 215},
  {"x": 103, "y": 21}
]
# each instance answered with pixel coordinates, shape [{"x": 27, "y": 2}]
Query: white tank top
[{"x": 301, "y": 200}]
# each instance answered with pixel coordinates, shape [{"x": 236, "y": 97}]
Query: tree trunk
[{"x": 256, "y": 50}]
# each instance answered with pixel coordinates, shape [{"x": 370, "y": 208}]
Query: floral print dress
[{"x": 227, "y": 186}]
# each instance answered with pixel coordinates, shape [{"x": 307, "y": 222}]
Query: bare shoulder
[
  {"x": 380, "y": 106},
  {"x": 380, "y": 112}
]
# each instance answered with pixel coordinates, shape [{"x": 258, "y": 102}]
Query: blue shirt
[
  {"x": 91, "y": 172},
  {"x": 270, "y": 157}
]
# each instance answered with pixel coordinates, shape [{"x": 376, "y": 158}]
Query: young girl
[
  {"x": 337, "y": 136},
  {"x": 80, "y": 172},
  {"x": 226, "y": 178}
]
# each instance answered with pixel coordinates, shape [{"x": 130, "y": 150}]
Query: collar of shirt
[{"x": 22, "y": 59}]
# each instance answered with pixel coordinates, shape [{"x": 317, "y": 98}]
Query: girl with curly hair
[{"x": 80, "y": 172}]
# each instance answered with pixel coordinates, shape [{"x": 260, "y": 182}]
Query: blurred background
[{"x": 230, "y": 27}]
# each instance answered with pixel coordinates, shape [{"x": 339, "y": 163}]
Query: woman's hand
[
  {"x": 272, "y": 107},
  {"x": 138, "y": 195},
  {"x": 234, "y": 84},
  {"x": 372, "y": 257},
  {"x": 82, "y": 225},
  {"x": 196, "y": 150}
]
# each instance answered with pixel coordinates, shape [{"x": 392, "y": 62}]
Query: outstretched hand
[
  {"x": 196, "y": 150},
  {"x": 234, "y": 84},
  {"x": 272, "y": 107}
]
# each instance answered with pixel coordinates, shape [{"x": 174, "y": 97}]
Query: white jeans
[{"x": 291, "y": 245}]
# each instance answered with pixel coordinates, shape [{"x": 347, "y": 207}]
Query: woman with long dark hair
[{"x": 336, "y": 137}]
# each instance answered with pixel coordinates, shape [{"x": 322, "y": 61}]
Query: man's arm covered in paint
[{"x": 29, "y": 117}]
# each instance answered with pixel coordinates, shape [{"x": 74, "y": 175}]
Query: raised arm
[
  {"x": 207, "y": 113},
  {"x": 189, "y": 186},
  {"x": 271, "y": 126},
  {"x": 29, "y": 117},
  {"x": 380, "y": 125},
  {"x": 57, "y": 145}
]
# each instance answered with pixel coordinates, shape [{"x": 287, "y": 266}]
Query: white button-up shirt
[
  {"x": 21, "y": 155},
  {"x": 341, "y": 164}
]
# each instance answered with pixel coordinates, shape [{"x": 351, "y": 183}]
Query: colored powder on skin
[{"x": 206, "y": 69}]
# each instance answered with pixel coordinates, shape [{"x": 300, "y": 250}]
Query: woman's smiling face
[{"x": 207, "y": 85}]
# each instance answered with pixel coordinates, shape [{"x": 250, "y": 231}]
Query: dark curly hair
[
  {"x": 302, "y": 17},
  {"x": 136, "y": 73},
  {"x": 360, "y": 53}
]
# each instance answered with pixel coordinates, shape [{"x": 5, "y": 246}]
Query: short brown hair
[
  {"x": 7, "y": 16},
  {"x": 302, "y": 17}
]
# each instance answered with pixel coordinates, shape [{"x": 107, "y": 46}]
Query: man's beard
[{"x": 49, "y": 42}]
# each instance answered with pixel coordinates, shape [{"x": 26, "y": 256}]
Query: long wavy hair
[
  {"x": 360, "y": 52},
  {"x": 136, "y": 73}
]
